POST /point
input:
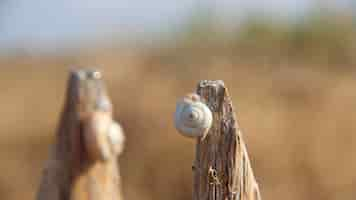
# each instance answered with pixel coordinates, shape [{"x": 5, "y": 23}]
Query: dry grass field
[{"x": 297, "y": 120}]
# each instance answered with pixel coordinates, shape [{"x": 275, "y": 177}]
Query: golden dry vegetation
[{"x": 297, "y": 120}]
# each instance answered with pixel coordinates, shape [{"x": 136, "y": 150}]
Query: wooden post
[
  {"x": 83, "y": 163},
  {"x": 222, "y": 167}
]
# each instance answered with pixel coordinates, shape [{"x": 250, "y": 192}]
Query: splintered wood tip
[
  {"x": 87, "y": 90},
  {"x": 204, "y": 83},
  {"x": 86, "y": 74}
]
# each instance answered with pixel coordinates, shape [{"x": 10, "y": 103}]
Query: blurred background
[{"x": 289, "y": 66}]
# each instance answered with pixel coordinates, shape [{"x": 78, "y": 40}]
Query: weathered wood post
[
  {"x": 83, "y": 163},
  {"x": 222, "y": 167}
]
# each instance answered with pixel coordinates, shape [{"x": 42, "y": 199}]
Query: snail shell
[
  {"x": 116, "y": 138},
  {"x": 193, "y": 118},
  {"x": 103, "y": 137}
]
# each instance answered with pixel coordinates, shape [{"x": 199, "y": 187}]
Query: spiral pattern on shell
[{"x": 193, "y": 118}]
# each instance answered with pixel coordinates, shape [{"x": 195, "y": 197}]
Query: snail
[
  {"x": 103, "y": 137},
  {"x": 116, "y": 138},
  {"x": 193, "y": 118}
]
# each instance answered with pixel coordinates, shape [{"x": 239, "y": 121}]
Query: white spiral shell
[
  {"x": 103, "y": 137},
  {"x": 193, "y": 118}
]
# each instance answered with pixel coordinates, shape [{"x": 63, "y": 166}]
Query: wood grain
[{"x": 222, "y": 168}]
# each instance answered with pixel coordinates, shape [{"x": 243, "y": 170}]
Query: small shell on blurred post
[
  {"x": 103, "y": 137},
  {"x": 116, "y": 138},
  {"x": 95, "y": 130},
  {"x": 193, "y": 118}
]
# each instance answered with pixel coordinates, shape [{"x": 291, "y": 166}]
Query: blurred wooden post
[
  {"x": 222, "y": 167},
  {"x": 83, "y": 163}
]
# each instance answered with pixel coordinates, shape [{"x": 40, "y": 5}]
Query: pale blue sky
[{"x": 51, "y": 22}]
